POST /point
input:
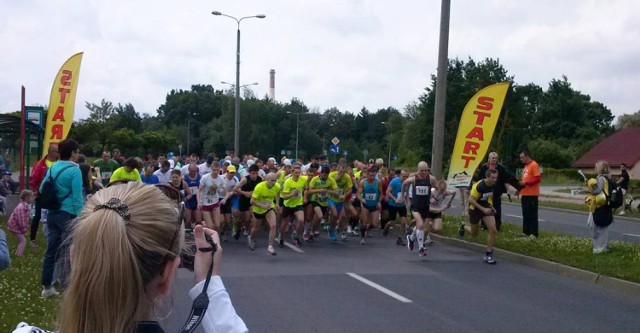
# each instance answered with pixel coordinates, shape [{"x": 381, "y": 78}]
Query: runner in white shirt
[
  {"x": 226, "y": 201},
  {"x": 164, "y": 173},
  {"x": 211, "y": 187}
]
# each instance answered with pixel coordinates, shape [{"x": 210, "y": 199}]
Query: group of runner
[{"x": 296, "y": 201}]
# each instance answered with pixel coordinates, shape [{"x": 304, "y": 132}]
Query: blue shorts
[
  {"x": 191, "y": 204},
  {"x": 338, "y": 205},
  {"x": 235, "y": 200}
]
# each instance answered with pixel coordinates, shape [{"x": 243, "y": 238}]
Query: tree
[
  {"x": 628, "y": 120},
  {"x": 100, "y": 113}
]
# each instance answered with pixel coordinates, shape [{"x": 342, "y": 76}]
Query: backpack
[
  {"x": 614, "y": 194},
  {"x": 49, "y": 195}
]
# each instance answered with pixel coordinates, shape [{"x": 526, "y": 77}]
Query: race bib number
[
  {"x": 321, "y": 197},
  {"x": 106, "y": 175},
  {"x": 422, "y": 190},
  {"x": 370, "y": 196},
  {"x": 193, "y": 189}
]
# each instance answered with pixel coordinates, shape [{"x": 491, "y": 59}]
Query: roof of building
[{"x": 621, "y": 147}]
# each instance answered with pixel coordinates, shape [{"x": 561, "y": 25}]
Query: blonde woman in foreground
[{"x": 124, "y": 255}]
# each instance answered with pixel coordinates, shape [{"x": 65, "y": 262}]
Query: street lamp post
[
  {"x": 297, "y": 123},
  {"x": 236, "y": 134}
]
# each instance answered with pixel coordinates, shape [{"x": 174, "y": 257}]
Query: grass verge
[
  {"x": 621, "y": 261},
  {"x": 20, "y": 287}
]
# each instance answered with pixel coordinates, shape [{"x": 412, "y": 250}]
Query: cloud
[{"x": 347, "y": 54}]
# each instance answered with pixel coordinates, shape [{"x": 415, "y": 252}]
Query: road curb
[
  {"x": 565, "y": 210},
  {"x": 546, "y": 265}
]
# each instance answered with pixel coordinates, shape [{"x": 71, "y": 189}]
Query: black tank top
[
  {"x": 421, "y": 193},
  {"x": 251, "y": 184}
]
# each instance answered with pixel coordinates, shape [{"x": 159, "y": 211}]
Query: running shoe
[
  {"x": 343, "y": 236},
  {"x": 461, "y": 230},
  {"x": 271, "y": 250},
  {"x": 281, "y": 242},
  {"x": 305, "y": 237},
  {"x": 489, "y": 259},
  {"x": 385, "y": 232},
  {"x": 251, "y": 242},
  {"x": 400, "y": 242},
  {"x": 362, "y": 241},
  {"x": 332, "y": 235},
  {"x": 316, "y": 234},
  {"x": 296, "y": 241},
  {"x": 49, "y": 292},
  {"x": 409, "y": 243},
  {"x": 422, "y": 252},
  {"x": 236, "y": 235}
]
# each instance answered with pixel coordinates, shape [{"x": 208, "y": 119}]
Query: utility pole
[{"x": 441, "y": 91}]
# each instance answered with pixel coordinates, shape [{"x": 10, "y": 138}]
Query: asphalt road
[
  {"x": 328, "y": 288},
  {"x": 571, "y": 223}
]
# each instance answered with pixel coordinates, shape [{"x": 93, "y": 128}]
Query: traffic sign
[
  {"x": 334, "y": 148},
  {"x": 335, "y": 140},
  {"x": 345, "y": 153}
]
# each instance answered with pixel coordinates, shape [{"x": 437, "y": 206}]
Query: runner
[
  {"x": 164, "y": 173},
  {"x": 420, "y": 202},
  {"x": 397, "y": 207},
  {"x": 192, "y": 213},
  {"x": 226, "y": 202},
  {"x": 309, "y": 214},
  {"x": 292, "y": 194},
  {"x": 107, "y": 166},
  {"x": 282, "y": 175},
  {"x": 211, "y": 185},
  {"x": 193, "y": 159},
  {"x": 370, "y": 195},
  {"x": 244, "y": 188},
  {"x": 320, "y": 188},
  {"x": 265, "y": 201},
  {"x": 438, "y": 206},
  {"x": 481, "y": 209},
  {"x": 337, "y": 202},
  {"x": 180, "y": 185}
]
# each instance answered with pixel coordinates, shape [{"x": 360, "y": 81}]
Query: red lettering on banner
[
  {"x": 471, "y": 147},
  {"x": 476, "y": 132},
  {"x": 485, "y": 103},
  {"x": 63, "y": 94},
  {"x": 470, "y": 150},
  {"x": 467, "y": 160},
  {"x": 56, "y": 132},
  {"x": 480, "y": 117},
  {"x": 59, "y": 115},
  {"x": 66, "y": 77}
]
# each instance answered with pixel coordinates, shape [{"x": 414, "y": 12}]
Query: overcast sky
[{"x": 328, "y": 53}]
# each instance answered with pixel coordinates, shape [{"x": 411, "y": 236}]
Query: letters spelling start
[
  {"x": 470, "y": 150},
  {"x": 58, "y": 116}
]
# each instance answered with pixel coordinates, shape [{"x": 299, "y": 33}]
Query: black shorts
[
  {"x": 290, "y": 211},
  {"x": 226, "y": 208},
  {"x": 424, "y": 212},
  {"x": 433, "y": 215},
  {"x": 315, "y": 204},
  {"x": 476, "y": 215},
  {"x": 384, "y": 205},
  {"x": 281, "y": 202},
  {"x": 244, "y": 204},
  {"x": 261, "y": 216},
  {"x": 395, "y": 211},
  {"x": 356, "y": 202}
]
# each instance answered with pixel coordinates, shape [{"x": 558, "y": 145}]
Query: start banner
[
  {"x": 477, "y": 124},
  {"x": 62, "y": 102}
]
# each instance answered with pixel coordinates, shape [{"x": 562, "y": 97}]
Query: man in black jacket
[{"x": 504, "y": 177}]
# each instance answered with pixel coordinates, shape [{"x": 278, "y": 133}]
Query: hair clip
[{"x": 116, "y": 205}]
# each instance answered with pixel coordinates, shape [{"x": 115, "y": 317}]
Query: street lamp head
[
  {"x": 261, "y": 16},
  {"x": 215, "y": 12}
]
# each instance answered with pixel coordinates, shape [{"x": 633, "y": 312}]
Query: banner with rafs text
[
  {"x": 477, "y": 124},
  {"x": 62, "y": 102}
]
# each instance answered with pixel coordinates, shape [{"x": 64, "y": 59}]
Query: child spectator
[{"x": 19, "y": 220}]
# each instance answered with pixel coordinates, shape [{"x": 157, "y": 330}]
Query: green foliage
[
  {"x": 628, "y": 120},
  {"x": 550, "y": 154}
]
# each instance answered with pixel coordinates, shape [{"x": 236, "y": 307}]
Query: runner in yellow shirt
[
  {"x": 265, "y": 200},
  {"x": 128, "y": 171},
  {"x": 336, "y": 202},
  {"x": 320, "y": 188},
  {"x": 292, "y": 194}
]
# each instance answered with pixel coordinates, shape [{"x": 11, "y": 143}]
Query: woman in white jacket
[{"x": 125, "y": 251}]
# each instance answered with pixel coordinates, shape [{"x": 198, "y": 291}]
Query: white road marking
[
  {"x": 380, "y": 288},
  {"x": 518, "y": 216},
  {"x": 293, "y": 247}
]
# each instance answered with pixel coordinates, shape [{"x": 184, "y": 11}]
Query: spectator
[
  {"x": 19, "y": 221},
  {"x": 89, "y": 185},
  {"x": 603, "y": 213},
  {"x": 39, "y": 170},
  {"x": 623, "y": 181},
  {"x": 5, "y": 190},
  {"x": 5, "y": 259},
  {"x": 69, "y": 191}
]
